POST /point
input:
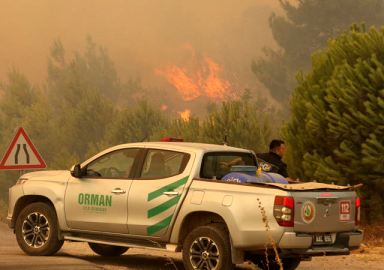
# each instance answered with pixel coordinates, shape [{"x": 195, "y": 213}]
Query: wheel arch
[
  {"x": 36, "y": 226},
  {"x": 197, "y": 219},
  {"x": 22, "y": 202},
  {"x": 203, "y": 218}
]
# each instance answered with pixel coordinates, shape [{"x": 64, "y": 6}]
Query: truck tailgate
[
  {"x": 322, "y": 208},
  {"x": 324, "y": 211}
]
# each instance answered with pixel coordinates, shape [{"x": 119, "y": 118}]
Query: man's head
[{"x": 278, "y": 147}]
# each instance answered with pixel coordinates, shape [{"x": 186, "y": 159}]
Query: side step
[{"x": 119, "y": 241}]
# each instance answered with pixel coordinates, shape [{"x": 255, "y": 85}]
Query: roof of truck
[{"x": 184, "y": 146}]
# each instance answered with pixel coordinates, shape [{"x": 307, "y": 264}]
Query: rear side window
[
  {"x": 162, "y": 164},
  {"x": 216, "y": 165}
]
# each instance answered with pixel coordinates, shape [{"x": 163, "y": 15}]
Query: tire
[
  {"x": 37, "y": 230},
  {"x": 207, "y": 248},
  {"x": 291, "y": 263},
  {"x": 288, "y": 263},
  {"x": 106, "y": 250}
]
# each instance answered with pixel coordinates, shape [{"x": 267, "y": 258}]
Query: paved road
[
  {"x": 75, "y": 256},
  {"x": 78, "y": 256},
  {"x": 12, "y": 257}
]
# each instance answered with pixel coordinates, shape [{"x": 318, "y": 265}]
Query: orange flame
[
  {"x": 185, "y": 85},
  {"x": 203, "y": 78},
  {"x": 164, "y": 107},
  {"x": 185, "y": 115},
  {"x": 214, "y": 86}
]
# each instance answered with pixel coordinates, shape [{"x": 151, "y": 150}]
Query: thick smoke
[{"x": 141, "y": 36}]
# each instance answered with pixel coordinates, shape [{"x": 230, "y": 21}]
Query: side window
[
  {"x": 116, "y": 164},
  {"x": 217, "y": 165},
  {"x": 162, "y": 164}
]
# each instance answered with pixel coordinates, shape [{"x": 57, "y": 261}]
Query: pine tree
[
  {"x": 91, "y": 70},
  {"x": 188, "y": 130},
  {"x": 87, "y": 123},
  {"x": 19, "y": 97},
  {"x": 244, "y": 125},
  {"x": 136, "y": 125},
  {"x": 303, "y": 29},
  {"x": 336, "y": 129},
  {"x": 22, "y": 105},
  {"x": 82, "y": 92}
]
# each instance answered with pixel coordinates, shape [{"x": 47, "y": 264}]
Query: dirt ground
[{"x": 142, "y": 259}]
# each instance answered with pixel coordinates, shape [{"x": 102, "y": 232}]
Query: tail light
[
  {"x": 284, "y": 210},
  {"x": 357, "y": 212}
]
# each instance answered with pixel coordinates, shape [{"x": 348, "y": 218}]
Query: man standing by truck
[{"x": 271, "y": 161}]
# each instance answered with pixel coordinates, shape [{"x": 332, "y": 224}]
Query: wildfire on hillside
[
  {"x": 201, "y": 76},
  {"x": 185, "y": 115}
]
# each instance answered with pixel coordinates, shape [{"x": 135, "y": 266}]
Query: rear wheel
[
  {"x": 37, "y": 230},
  {"x": 207, "y": 248},
  {"x": 107, "y": 250}
]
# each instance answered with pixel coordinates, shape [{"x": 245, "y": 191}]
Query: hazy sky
[{"x": 140, "y": 35}]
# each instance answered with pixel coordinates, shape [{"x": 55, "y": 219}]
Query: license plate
[{"x": 322, "y": 239}]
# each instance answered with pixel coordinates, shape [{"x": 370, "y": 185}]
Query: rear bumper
[{"x": 343, "y": 243}]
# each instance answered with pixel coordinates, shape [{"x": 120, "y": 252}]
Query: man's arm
[
  {"x": 228, "y": 164},
  {"x": 289, "y": 179},
  {"x": 284, "y": 173}
]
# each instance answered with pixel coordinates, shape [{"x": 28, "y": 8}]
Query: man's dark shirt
[{"x": 274, "y": 159}]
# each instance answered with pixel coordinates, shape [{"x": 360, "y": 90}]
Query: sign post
[{"x": 22, "y": 154}]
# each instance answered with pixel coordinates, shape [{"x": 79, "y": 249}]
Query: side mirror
[{"x": 76, "y": 171}]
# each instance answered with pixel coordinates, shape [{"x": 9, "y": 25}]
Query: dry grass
[
  {"x": 373, "y": 234},
  {"x": 3, "y": 210},
  {"x": 267, "y": 228},
  {"x": 368, "y": 258}
]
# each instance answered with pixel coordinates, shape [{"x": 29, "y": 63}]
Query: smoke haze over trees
[
  {"x": 75, "y": 115},
  {"x": 141, "y": 37},
  {"x": 304, "y": 29}
]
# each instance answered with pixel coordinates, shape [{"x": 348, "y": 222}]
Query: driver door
[{"x": 99, "y": 200}]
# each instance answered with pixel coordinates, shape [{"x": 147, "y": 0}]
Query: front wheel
[
  {"x": 37, "y": 230},
  {"x": 106, "y": 250},
  {"x": 207, "y": 248}
]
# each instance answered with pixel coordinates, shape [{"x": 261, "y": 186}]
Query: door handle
[
  {"x": 171, "y": 193},
  {"x": 118, "y": 191}
]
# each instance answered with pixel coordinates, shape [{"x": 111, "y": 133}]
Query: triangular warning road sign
[{"x": 22, "y": 154}]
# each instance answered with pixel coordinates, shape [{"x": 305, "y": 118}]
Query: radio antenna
[{"x": 144, "y": 138}]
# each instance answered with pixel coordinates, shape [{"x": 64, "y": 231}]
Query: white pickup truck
[{"x": 172, "y": 196}]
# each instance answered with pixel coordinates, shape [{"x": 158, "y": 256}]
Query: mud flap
[{"x": 237, "y": 254}]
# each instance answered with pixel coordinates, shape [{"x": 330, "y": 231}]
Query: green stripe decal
[
  {"x": 164, "y": 206},
  {"x": 170, "y": 187},
  {"x": 159, "y": 226}
]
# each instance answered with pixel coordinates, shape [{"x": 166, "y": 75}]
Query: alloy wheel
[
  {"x": 204, "y": 254},
  {"x": 35, "y": 230}
]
